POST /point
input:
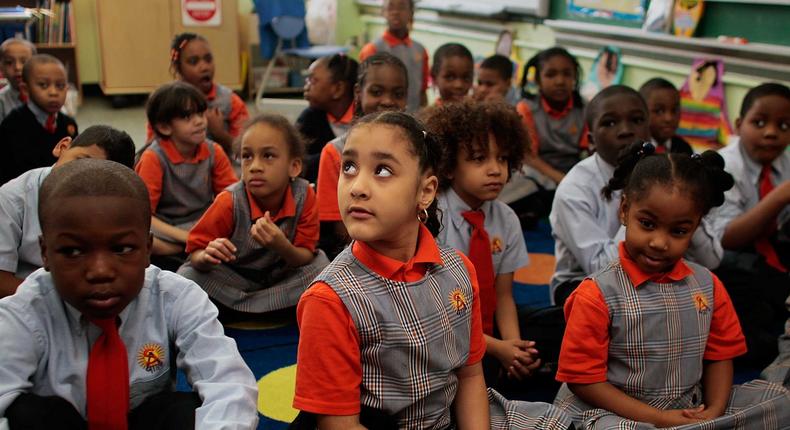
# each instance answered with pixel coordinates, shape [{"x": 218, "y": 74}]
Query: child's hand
[
  {"x": 676, "y": 417},
  {"x": 268, "y": 234},
  {"x": 518, "y": 357},
  {"x": 702, "y": 412},
  {"x": 220, "y": 250},
  {"x": 783, "y": 190},
  {"x": 216, "y": 123}
]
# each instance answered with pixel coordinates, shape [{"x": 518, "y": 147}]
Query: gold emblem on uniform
[
  {"x": 458, "y": 300},
  {"x": 151, "y": 357}
]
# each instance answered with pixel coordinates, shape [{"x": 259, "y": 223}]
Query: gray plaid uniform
[
  {"x": 258, "y": 280},
  {"x": 657, "y": 342},
  {"x": 413, "y": 340}
]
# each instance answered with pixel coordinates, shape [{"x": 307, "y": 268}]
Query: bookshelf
[{"x": 51, "y": 28}]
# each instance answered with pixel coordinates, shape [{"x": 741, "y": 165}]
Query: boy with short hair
[
  {"x": 663, "y": 106},
  {"x": 495, "y": 80},
  {"x": 19, "y": 250},
  {"x": 396, "y": 41},
  {"x": 30, "y": 132},
  {"x": 96, "y": 335},
  {"x": 13, "y": 55}
]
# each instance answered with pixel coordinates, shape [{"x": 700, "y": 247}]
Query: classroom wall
[{"x": 479, "y": 35}]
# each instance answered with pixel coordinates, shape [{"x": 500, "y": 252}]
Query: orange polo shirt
[
  {"x": 328, "y": 175},
  {"x": 532, "y": 131},
  {"x": 329, "y": 369},
  {"x": 585, "y": 346},
  {"x": 346, "y": 119},
  {"x": 149, "y": 169},
  {"x": 236, "y": 119},
  {"x": 218, "y": 220},
  {"x": 393, "y": 41}
]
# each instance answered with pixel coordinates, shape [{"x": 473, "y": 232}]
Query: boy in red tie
[
  {"x": 14, "y": 53},
  {"x": 30, "y": 132},
  {"x": 95, "y": 337}
]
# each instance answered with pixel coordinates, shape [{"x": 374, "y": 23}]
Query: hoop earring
[{"x": 422, "y": 216}]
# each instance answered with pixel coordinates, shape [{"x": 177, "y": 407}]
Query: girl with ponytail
[{"x": 651, "y": 337}]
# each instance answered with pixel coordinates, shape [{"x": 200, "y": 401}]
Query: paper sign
[{"x": 201, "y": 13}]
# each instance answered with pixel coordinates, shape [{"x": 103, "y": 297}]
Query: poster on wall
[
  {"x": 622, "y": 10},
  {"x": 201, "y": 13}
]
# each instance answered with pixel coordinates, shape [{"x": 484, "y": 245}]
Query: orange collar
[
  {"x": 556, "y": 114},
  {"x": 287, "y": 208},
  {"x": 345, "y": 119},
  {"x": 427, "y": 253},
  {"x": 438, "y": 102},
  {"x": 175, "y": 157},
  {"x": 393, "y": 40},
  {"x": 212, "y": 94},
  {"x": 679, "y": 271}
]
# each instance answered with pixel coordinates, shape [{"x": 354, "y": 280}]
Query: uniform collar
[
  {"x": 679, "y": 271},
  {"x": 287, "y": 209},
  {"x": 456, "y": 206},
  {"x": 427, "y": 253},
  {"x": 212, "y": 94},
  {"x": 345, "y": 119},
  {"x": 175, "y": 157},
  {"x": 394, "y": 41},
  {"x": 40, "y": 114},
  {"x": 556, "y": 114},
  {"x": 79, "y": 323},
  {"x": 752, "y": 169}
]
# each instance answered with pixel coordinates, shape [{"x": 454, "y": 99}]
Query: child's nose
[
  {"x": 100, "y": 269},
  {"x": 359, "y": 188},
  {"x": 658, "y": 241}
]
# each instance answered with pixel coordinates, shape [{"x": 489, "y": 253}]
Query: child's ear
[
  {"x": 295, "y": 168},
  {"x": 61, "y": 146},
  {"x": 623, "y": 211},
  {"x": 357, "y": 93},
  {"x": 338, "y": 89},
  {"x": 163, "y": 128},
  {"x": 428, "y": 190},
  {"x": 43, "y": 246},
  {"x": 738, "y": 122}
]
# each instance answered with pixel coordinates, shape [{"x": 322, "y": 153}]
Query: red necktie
[
  {"x": 50, "y": 125},
  {"x": 480, "y": 254},
  {"x": 763, "y": 245},
  {"x": 108, "y": 380},
  {"x": 22, "y": 97},
  {"x": 660, "y": 148}
]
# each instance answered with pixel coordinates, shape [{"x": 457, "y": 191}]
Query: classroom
[{"x": 337, "y": 214}]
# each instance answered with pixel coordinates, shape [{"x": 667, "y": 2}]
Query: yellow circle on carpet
[
  {"x": 257, "y": 325},
  {"x": 276, "y": 394},
  {"x": 539, "y": 270}
]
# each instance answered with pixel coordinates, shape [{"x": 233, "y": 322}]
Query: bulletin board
[{"x": 622, "y": 10}]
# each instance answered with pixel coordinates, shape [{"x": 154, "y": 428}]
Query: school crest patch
[
  {"x": 701, "y": 302},
  {"x": 151, "y": 357},
  {"x": 496, "y": 245},
  {"x": 71, "y": 130},
  {"x": 458, "y": 300}
]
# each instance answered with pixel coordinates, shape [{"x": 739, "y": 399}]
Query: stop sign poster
[{"x": 201, "y": 13}]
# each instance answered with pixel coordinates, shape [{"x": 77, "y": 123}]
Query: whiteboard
[{"x": 538, "y": 8}]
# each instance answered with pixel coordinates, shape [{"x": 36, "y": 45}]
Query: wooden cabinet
[{"x": 134, "y": 44}]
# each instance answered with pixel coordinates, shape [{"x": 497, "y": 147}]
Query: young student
[
  {"x": 124, "y": 325},
  {"x": 254, "y": 250},
  {"x": 396, "y": 41},
  {"x": 14, "y": 53},
  {"x": 30, "y": 132},
  {"x": 752, "y": 223},
  {"x": 583, "y": 225},
  {"x": 452, "y": 72},
  {"x": 650, "y": 338},
  {"x": 395, "y": 297},
  {"x": 20, "y": 253},
  {"x": 554, "y": 117},
  {"x": 182, "y": 171},
  {"x": 482, "y": 143},
  {"x": 191, "y": 61},
  {"x": 329, "y": 89},
  {"x": 663, "y": 104},
  {"x": 382, "y": 85},
  {"x": 494, "y": 79}
]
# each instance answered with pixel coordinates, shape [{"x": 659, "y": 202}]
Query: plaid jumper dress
[
  {"x": 657, "y": 338},
  {"x": 258, "y": 280},
  {"x": 413, "y": 338},
  {"x": 186, "y": 189}
]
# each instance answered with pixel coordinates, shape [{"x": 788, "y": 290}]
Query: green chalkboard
[{"x": 756, "y": 22}]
